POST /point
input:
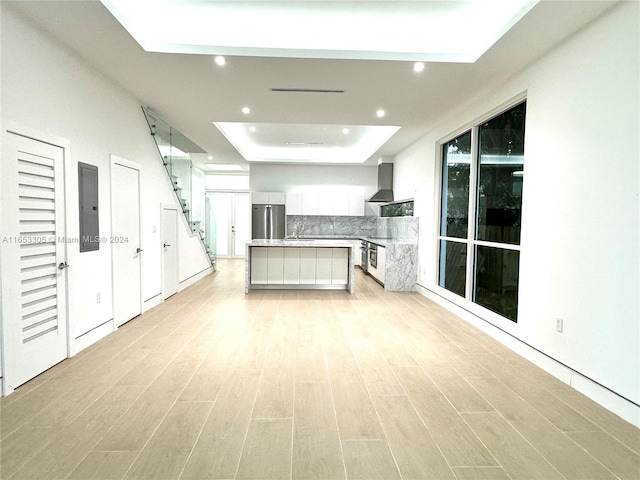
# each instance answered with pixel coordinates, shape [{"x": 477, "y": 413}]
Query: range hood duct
[{"x": 385, "y": 184}]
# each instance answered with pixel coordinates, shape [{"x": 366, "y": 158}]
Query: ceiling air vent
[{"x": 305, "y": 90}]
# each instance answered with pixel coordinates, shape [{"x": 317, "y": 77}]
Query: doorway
[
  {"x": 34, "y": 259},
  {"x": 169, "y": 232},
  {"x": 231, "y": 212},
  {"x": 126, "y": 245}
]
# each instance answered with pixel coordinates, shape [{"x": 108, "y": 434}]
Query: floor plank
[
  {"x": 317, "y": 453},
  {"x": 216, "y": 384}
]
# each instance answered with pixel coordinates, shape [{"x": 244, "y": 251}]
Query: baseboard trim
[
  {"x": 194, "y": 278},
  {"x": 615, "y": 403},
  {"x": 89, "y": 338},
  {"x": 149, "y": 303}
]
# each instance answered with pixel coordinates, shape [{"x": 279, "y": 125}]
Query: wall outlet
[
  {"x": 559, "y": 324},
  {"x": 98, "y": 297}
]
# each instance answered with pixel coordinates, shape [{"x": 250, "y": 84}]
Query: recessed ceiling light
[
  {"x": 418, "y": 67},
  {"x": 220, "y": 60},
  {"x": 345, "y": 130},
  {"x": 209, "y": 157},
  {"x": 246, "y": 110},
  {"x": 252, "y": 128},
  {"x": 380, "y": 113}
]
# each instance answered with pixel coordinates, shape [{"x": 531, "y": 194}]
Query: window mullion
[{"x": 472, "y": 219}]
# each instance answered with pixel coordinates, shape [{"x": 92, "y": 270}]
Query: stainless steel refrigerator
[{"x": 267, "y": 221}]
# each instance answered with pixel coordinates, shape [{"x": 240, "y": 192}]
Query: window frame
[{"x": 471, "y": 240}]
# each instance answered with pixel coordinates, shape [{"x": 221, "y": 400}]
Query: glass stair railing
[{"x": 175, "y": 151}]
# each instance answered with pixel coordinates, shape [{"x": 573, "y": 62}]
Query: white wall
[
  {"x": 49, "y": 90},
  {"x": 357, "y": 180},
  {"x": 580, "y": 235}
]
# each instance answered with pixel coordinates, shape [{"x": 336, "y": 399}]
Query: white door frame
[
  {"x": 63, "y": 143},
  {"x": 231, "y": 220},
  {"x": 134, "y": 166},
  {"x": 174, "y": 207}
]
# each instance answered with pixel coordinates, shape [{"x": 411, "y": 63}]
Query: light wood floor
[{"x": 215, "y": 384}]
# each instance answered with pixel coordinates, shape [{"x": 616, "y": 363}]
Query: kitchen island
[{"x": 321, "y": 264}]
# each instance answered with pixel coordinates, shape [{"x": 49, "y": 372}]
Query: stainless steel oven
[
  {"x": 373, "y": 255},
  {"x": 364, "y": 255}
]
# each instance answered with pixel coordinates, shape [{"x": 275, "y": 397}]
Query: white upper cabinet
[
  {"x": 325, "y": 204},
  {"x": 268, "y": 198},
  {"x": 309, "y": 204},
  {"x": 294, "y": 204},
  {"x": 341, "y": 204},
  {"x": 356, "y": 205}
]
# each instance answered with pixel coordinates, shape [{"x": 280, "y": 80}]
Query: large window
[{"x": 482, "y": 174}]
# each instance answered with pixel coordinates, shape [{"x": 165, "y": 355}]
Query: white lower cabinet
[
  {"x": 307, "y": 266},
  {"x": 275, "y": 265},
  {"x": 324, "y": 261},
  {"x": 299, "y": 266},
  {"x": 291, "y": 266},
  {"x": 259, "y": 265},
  {"x": 339, "y": 266}
]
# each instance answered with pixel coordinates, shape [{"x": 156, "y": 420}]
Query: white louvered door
[{"x": 34, "y": 320}]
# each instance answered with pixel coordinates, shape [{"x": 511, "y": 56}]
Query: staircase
[{"x": 174, "y": 149}]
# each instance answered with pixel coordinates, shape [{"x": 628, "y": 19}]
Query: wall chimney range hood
[{"x": 385, "y": 184}]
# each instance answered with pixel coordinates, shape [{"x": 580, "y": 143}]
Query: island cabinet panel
[
  {"x": 291, "y": 266},
  {"x": 340, "y": 266},
  {"x": 259, "y": 265},
  {"x": 275, "y": 268},
  {"x": 324, "y": 260},
  {"x": 307, "y": 266},
  {"x": 303, "y": 264}
]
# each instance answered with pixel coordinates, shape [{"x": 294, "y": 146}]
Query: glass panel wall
[
  {"x": 397, "y": 209},
  {"x": 455, "y": 186},
  {"x": 453, "y": 266},
  {"x": 501, "y": 154},
  {"x": 488, "y": 186},
  {"x": 496, "y": 280},
  {"x": 456, "y": 172}
]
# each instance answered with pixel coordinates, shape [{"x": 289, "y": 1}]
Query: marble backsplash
[
  {"x": 396, "y": 228},
  {"x": 307, "y": 225}
]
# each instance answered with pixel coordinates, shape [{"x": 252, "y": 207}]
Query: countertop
[
  {"x": 381, "y": 241},
  {"x": 302, "y": 242}
]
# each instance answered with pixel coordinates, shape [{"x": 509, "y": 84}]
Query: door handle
[
  {"x": 138, "y": 250},
  {"x": 165, "y": 245},
  {"x": 63, "y": 265}
]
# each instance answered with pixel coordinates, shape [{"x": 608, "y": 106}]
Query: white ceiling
[
  {"x": 427, "y": 30},
  {"x": 192, "y": 92}
]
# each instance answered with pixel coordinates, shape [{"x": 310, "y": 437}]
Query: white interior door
[
  {"x": 221, "y": 208},
  {"x": 232, "y": 213},
  {"x": 34, "y": 268},
  {"x": 169, "y": 251},
  {"x": 126, "y": 246},
  {"x": 241, "y": 227}
]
